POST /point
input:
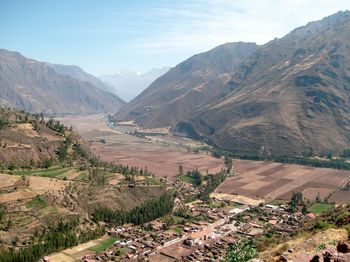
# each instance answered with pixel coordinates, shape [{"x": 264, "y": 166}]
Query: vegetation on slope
[
  {"x": 148, "y": 211},
  {"x": 57, "y": 237}
]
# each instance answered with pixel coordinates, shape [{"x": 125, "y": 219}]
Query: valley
[
  {"x": 238, "y": 152},
  {"x": 162, "y": 153}
]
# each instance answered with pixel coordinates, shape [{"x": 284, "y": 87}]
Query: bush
[{"x": 241, "y": 251}]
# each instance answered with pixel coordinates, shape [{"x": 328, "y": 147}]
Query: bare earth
[
  {"x": 269, "y": 180},
  {"x": 162, "y": 155},
  {"x": 37, "y": 185}
]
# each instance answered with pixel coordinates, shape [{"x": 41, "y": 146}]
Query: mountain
[
  {"x": 189, "y": 85},
  {"x": 80, "y": 74},
  {"x": 36, "y": 87},
  {"x": 127, "y": 84},
  {"x": 289, "y": 97}
]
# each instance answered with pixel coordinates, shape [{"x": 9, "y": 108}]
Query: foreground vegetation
[
  {"x": 148, "y": 211},
  {"x": 308, "y": 160},
  {"x": 57, "y": 237}
]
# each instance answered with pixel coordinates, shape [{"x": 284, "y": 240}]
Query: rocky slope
[
  {"x": 189, "y": 85},
  {"x": 36, "y": 87},
  {"x": 78, "y": 73},
  {"x": 289, "y": 97}
]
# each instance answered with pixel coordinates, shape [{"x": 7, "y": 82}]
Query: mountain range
[
  {"x": 127, "y": 84},
  {"x": 290, "y": 96},
  {"x": 53, "y": 89}
]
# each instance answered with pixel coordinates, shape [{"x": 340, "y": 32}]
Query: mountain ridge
[
  {"x": 35, "y": 86},
  {"x": 282, "y": 99},
  {"x": 186, "y": 86},
  {"x": 128, "y": 84}
]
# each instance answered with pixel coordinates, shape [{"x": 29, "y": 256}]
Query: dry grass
[{"x": 305, "y": 244}]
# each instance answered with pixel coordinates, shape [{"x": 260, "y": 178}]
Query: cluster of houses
[{"x": 199, "y": 240}]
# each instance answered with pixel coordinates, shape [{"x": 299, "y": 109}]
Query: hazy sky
[{"x": 103, "y": 36}]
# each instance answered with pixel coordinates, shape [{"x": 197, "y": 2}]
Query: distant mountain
[
  {"x": 189, "y": 85},
  {"x": 36, "y": 87},
  {"x": 80, "y": 74},
  {"x": 290, "y": 96},
  {"x": 128, "y": 84}
]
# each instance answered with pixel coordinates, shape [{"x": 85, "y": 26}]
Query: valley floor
[{"x": 162, "y": 154}]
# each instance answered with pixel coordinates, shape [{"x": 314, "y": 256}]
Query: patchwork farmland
[
  {"x": 269, "y": 180},
  {"x": 161, "y": 154}
]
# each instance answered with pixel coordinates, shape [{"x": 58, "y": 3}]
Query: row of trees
[
  {"x": 148, "y": 211},
  {"x": 300, "y": 160},
  {"x": 56, "y": 125},
  {"x": 196, "y": 176},
  {"x": 54, "y": 239},
  {"x": 213, "y": 181}
]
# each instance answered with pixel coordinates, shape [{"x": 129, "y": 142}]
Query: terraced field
[{"x": 54, "y": 171}]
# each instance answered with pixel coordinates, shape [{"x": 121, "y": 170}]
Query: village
[{"x": 223, "y": 223}]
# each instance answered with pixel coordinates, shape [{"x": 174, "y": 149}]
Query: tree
[
  {"x": 181, "y": 170},
  {"x": 304, "y": 209},
  {"x": 63, "y": 151},
  {"x": 197, "y": 177},
  {"x": 241, "y": 251}
]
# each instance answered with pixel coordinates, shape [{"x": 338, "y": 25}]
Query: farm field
[
  {"x": 160, "y": 154},
  {"x": 319, "y": 208},
  {"x": 79, "y": 251},
  {"x": 53, "y": 171},
  {"x": 29, "y": 188},
  {"x": 269, "y": 180}
]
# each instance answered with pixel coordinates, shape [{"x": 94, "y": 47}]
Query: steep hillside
[
  {"x": 128, "y": 84},
  {"x": 78, "y": 73},
  {"x": 50, "y": 178},
  {"x": 36, "y": 87},
  {"x": 290, "y": 97},
  {"x": 189, "y": 85},
  {"x": 27, "y": 141}
]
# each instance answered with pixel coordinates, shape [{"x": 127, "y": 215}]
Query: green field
[
  {"x": 46, "y": 172},
  {"x": 84, "y": 176},
  {"x": 186, "y": 179},
  {"x": 177, "y": 230},
  {"x": 151, "y": 180},
  {"x": 319, "y": 208},
  {"x": 37, "y": 201},
  {"x": 214, "y": 204},
  {"x": 103, "y": 245}
]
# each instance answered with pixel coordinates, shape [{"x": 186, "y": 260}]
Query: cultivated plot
[
  {"x": 269, "y": 180},
  {"x": 160, "y": 154}
]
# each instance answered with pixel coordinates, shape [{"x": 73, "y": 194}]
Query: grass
[
  {"x": 186, "y": 179},
  {"x": 234, "y": 205},
  {"x": 152, "y": 180},
  {"x": 84, "y": 176},
  {"x": 319, "y": 208},
  {"x": 48, "y": 210},
  {"x": 47, "y": 172},
  {"x": 177, "y": 230},
  {"x": 37, "y": 201},
  {"x": 121, "y": 251},
  {"x": 103, "y": 245}
]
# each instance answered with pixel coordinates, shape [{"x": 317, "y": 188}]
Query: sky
[{"x": 103, "y": 36}]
